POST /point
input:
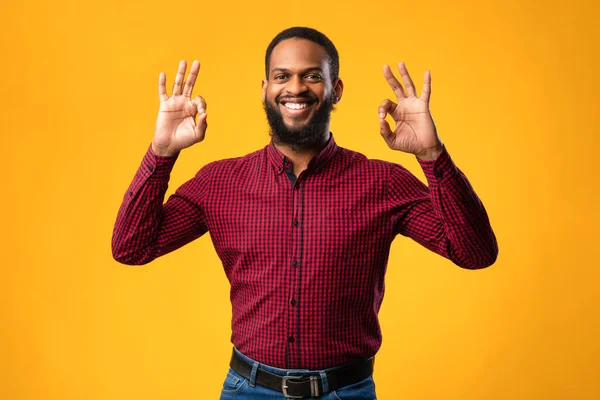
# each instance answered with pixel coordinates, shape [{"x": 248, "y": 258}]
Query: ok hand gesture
[
  {"x": 176, "y": 125},
  {"x": 415, "y": 131}
]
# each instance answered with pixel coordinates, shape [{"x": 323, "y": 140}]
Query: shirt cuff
[
  {"x": 439, "y": 169},
  {"x": 156, "y": 166}
]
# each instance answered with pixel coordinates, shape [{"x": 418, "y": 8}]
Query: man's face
[{"x": 298, "y": 96}]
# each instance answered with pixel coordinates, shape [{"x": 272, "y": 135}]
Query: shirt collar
[{"x": 281, "y": 162}]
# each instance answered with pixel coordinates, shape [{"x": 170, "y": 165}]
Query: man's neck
[{"x": 301, "y": 157}]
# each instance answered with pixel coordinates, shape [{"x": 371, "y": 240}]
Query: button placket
[{"x": 295, "y": 273}]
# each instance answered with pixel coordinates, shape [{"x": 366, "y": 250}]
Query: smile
[{"x": 295, "y": 106}]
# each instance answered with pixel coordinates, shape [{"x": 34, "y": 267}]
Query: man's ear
[
  {"x": 264, "y": 88},
  {"x": 338, "y": 90}
]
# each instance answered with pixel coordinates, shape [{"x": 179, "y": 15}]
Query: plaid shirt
[{"x": 305, "y": 257}]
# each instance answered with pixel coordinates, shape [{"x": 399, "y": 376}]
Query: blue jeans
[{"x": 236, "y": 387}]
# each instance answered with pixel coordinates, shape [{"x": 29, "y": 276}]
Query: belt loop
[
  {"x": 324, "y": 381},
  {"x": 253, "y": 374}
]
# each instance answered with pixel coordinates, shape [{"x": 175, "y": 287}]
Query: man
[{"x": 303, "y": 227}]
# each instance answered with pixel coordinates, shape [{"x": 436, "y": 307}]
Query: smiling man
[
  {"x": 303, "y": 227},
  {"x": 300, "y": 90}
]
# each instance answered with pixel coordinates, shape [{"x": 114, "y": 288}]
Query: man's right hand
[{"x": 176, "y": 125}]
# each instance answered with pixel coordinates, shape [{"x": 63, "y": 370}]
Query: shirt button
[
  {"x": 296, "y": 223},
  {"x": 293, "y": 302},
  {"x": 131, "y": 193},
  {"x": 151, "y": 168},
  {"x": 295, "y": 263},
  {"x": 291, "y": 339}
]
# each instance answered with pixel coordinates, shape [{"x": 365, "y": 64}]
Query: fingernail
[
  {"x": 381, "y": 115},
  {"x": 201, "y": 111}
]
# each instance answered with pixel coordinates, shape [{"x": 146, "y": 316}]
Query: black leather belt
[{"x": 298, "y": 387}]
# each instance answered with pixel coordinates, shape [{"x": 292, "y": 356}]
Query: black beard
[{"x": 311, "y": 135}]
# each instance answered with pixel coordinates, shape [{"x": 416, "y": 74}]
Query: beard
[{"x": 308, "y": 136}]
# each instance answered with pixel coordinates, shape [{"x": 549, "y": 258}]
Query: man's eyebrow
[{"x": 278, "y": 69}]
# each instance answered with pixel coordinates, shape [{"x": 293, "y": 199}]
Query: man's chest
[{"x": 319, "y": 220}]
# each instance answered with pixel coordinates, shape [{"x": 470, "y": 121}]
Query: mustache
[{"x": 310, "y": 99}]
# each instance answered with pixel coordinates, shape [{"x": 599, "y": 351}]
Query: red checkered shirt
[{"x": 305, "y": 257}]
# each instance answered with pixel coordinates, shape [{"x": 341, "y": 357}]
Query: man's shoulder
[
  {"x": 357, "y": 159},
  {"x": 232, "y": 164}
]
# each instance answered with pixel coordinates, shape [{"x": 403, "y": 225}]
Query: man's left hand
[{"x": 415, "y": 131}]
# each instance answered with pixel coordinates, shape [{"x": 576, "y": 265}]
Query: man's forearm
[
  {"x": 141, "y": 212},
  {"x": 471, "y": 242}
]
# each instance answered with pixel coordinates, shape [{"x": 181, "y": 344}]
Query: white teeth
[{"x": 295, "y": 106}]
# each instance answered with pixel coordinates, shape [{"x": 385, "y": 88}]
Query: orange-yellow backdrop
[{"x": 515, "y": 92}]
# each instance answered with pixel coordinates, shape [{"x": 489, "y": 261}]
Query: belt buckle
[{"x": 284, "y": 387}]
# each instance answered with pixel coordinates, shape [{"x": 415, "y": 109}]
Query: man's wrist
[
  {"x": 163, "y": 151},
  {"x": 430, "y": 154}
]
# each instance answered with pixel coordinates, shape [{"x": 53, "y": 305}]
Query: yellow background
[{"x": 515, "y": 99}]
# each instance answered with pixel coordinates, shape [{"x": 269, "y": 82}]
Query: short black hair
[{"x": 301, "y": 32}]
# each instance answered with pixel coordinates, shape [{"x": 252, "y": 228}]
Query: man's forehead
[
  {"x": 298, "y": 54},
  {"x": 297, "y": 68}
]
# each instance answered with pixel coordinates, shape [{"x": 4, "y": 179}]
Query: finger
[
  {"x": 191, "y": 79},
  {"x": 200, "y": 104},
  {"x": 426, "y": 87},
  {"x": 179, "y": 78},
  {"x": 386, "y": 107},
  {"x": 410, "y": 87},
  {"x": 162, "y": 87},
  {"x": 393, "y": 82}
]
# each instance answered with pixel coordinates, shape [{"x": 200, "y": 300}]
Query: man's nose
[{"x": 296, "y": 85}]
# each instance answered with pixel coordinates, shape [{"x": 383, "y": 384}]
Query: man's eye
[
  {"x": 279, "y": 77},
  {"x": 313, "y": 77}
]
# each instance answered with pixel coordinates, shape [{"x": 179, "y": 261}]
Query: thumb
[
  {"x": 386, "y": 107},
  {"x": 384, "y": 129},
  {"x": 201, "y": 124},
  {"x": 200, "y": 128}
]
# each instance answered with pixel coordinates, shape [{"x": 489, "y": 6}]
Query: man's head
[
  {"x": 301, "y": 86},
  {"x": 314, "y": 36}
]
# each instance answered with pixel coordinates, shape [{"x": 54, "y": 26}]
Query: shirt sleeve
[
  {"x": 145, "y": 227},
  {"x": 447, "y": 217}
]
